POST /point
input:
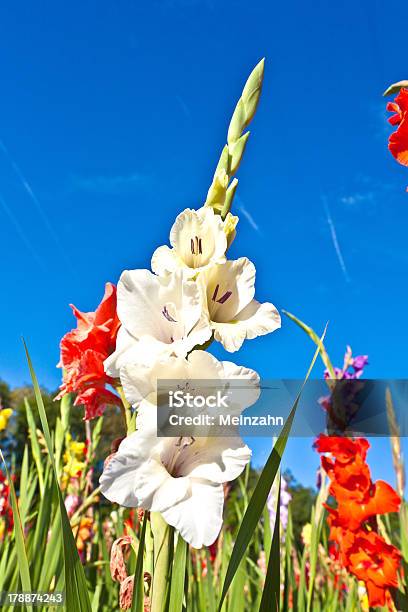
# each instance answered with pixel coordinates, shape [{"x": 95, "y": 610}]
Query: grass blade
[
  {"x": 138, "y": 590},
  {"x": 76, "y": 592},
  {"x": 178, "y": 576},
  {"x": 19, "y": 536},
  {"x": 258, "y": 500},
  {"x": 271, "y": 590},
  {"x": 313, "y": 336},
  {"x": 35, "y": 446}
]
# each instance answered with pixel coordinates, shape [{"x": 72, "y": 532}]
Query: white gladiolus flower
[
  {"x": 198, "y": 240},
  {"x": 180, "y": 478},
  {"x": 160, "y": 317},
  {"x": 234, "y": 314},
  {"x": 140, "y": 380}
]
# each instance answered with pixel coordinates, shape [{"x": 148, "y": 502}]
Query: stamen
[
  {"x": 192, "y": 245},
  {"x": 214, "y": 297},
  {"x": 225, "y": 297},
  {"x": 167, "y": 316}
]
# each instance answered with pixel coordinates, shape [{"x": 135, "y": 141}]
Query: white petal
[
  {"x": 135, "y": 476},
  {"x": 165, "y": 260},
  {"x": 203, "y": 365},
  {"x": 140, "y": 303},
  {"x": 140, "y": 379},
  {"x": 231, "y": 335},
  {"x": 126, "y": 351},
  {"x": 259, "y": 319},
  {"x": 198, "y": 518},
  {"x": 254, "y": 320},
  {"x": 246, "y": 390},
  {"x": 216, "y": 459},
  {"x": 163, "y": 314}
]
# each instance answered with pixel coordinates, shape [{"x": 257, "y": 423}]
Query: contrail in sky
[
  {"x": 335, "y": 240},
  {"x": 21, "y": 232},
  {"x": 247, "y": 215},
  {"x": 37, "y": 204}
]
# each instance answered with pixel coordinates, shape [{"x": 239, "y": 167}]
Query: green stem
[
  {"x": 126, "y": 411},
  {"x": 85, "y": 504},
  {"x": 162, "y": 535}
]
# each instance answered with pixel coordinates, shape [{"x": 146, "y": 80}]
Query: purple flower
[
  {"x": 353, "y": 367},
  {"x": 285, "y": 498}
]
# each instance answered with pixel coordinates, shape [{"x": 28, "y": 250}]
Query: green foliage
[{"x": 303, "y": 499}]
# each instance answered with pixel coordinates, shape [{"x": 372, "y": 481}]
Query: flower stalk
[
  {"x": 162, "y": 535},
  {"x": 126, "y": 410}
]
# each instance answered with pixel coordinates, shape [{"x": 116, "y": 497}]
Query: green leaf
[
  {"x": 312, "y": 334},
  {"x": 35, "y": 446},
  {"x": 271, "y": 590},
  {"x": 96, "y": 598},
  {"x": 42, "y": 527},
  {"x": 395, "y": 87},
  {"x": 236, "y": 600},
  {"x": 258, "y": 500},
  {"x": 314, "y": 548},
  {"x": 138, "y": 589},
  {"x": 19, "y": 536},
  {"x": 76, "y": 592},
  {"x": 178, "y": 576}
]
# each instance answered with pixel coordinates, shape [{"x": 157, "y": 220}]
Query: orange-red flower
[
  {"x": 5, "y": 506},
  {"x": 373, "y": 560},
  {"x": 83, "y": 351},
  {"x": 83, "y": 533},
  {"x": 344, "y": 450},
  {"x": 353, "y": 527},
  {"x": 398, "y": 141}
]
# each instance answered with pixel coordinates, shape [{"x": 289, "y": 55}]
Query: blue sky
[{"x": 112, "y": 119}]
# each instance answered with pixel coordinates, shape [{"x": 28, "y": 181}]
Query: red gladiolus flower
[
  {"x": 376, "y": 562},
  {"x": 353, "y": 526},
  {"x": 83, "y": 351},
  {"x": 5, "y": 505},
  {"x": 398, "y": 141},
  {"x": 344, "y": 450}
]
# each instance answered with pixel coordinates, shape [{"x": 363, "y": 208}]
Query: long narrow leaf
[
  {"x": 19, "y": 535},
  {"x": 271, "y": 590},
  {"x": 76, "y": 592},
  {"x": 178, "y": 576},
  {"x": 138, "y": 593},
  {"x": 313, "y": 336},
  {"x": 258, "y": 500}
]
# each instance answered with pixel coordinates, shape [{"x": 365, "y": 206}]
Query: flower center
[
  {"x": 173, "y": 459},
  {"x": 223, "y": 298},
  {"x": 196, "y": 245}
]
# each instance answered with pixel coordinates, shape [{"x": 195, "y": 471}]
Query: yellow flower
[
  {"x": 363, "y": 597},
  {"x": 307, "y": 534},
  {"x": 74, "y": 449},
  {"x": 73, "y": 459},
  {"x": 5, "y": 414}
]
